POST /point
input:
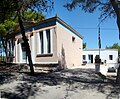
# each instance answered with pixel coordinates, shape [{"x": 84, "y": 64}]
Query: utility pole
[{"x": 99, "y": 40}]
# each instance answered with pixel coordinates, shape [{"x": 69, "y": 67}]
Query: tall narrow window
[
  {"x": 8, "y": 48},
  {"x": 48, "y": 41},
  {"x": 110, "y": 57},
  {"x": 89, "y": 57},
  {"x": 12, "y": 47},
  {"x": 41, "y": 40},
  {"x": 84, "y": 57}
]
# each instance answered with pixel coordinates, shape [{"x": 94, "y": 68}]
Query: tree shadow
[
  {"x": 114, "y": 93},
  {"x": 86, "y": 79},
  {"x": 62, "y": 61},
  {"x": 73, "y": 79},
  {"x": 6, "y": 77},
  {"x": 22, "y": 91}
]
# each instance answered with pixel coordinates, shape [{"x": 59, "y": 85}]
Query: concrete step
[
  {"x": 45, "y": 67},
  {"x": 111, "y": 74}
]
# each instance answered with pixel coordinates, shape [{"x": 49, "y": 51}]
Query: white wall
[{"x": 104, "y": 54}]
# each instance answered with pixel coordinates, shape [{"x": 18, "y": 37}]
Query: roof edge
[
  {"x": 51, "y": 19},
  {"x": 69, "y": 27},
  {"x": 100, "y": 49}
]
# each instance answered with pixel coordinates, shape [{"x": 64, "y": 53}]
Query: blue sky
[{"x": 87, "y": 25}]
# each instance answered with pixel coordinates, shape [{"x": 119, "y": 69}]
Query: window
[
  {"x": 10, "y": 45},
  {"x": 24, "y": 55},
  {"x": 89, "y": 57},
  {"x": 41, "y": 40},
  {"x": 73, "y": 39},
  {"x": 12, "y": 48},
  {"x": 45, "y": 43},
  {"x": 84, "y": 57},
  {"x": 48, "y": 41},
  {"x": 110, "y": 57}
]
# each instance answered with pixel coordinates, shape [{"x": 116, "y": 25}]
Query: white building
[{"x": 106, "y": 55}]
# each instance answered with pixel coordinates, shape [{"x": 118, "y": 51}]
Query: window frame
[{"x": 45, "y": 41}]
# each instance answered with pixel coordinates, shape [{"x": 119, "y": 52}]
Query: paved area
[
  {"x": 77, "y": 83},
  {"x": 103, "y": 68}
]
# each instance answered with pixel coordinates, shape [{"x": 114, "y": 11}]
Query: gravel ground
[{"x": 67, "y": 84}]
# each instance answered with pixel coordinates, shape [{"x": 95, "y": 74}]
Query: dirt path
[{"x": 67, "y": 84}]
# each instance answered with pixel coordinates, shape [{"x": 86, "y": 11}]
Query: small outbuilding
[{"x": 109, "y": 56}]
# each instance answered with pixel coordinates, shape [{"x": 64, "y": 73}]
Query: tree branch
[{"x": 115, "y": 7}]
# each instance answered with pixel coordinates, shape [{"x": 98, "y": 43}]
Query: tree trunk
[
  {"x": 117, "y": 11},
  {"x": 118, "y": 70},
  {"x": 28, "y": 52},
  {"x": 118, "y": 76}
]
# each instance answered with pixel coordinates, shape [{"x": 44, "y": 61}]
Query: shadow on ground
[{"x": 73, "y": 79}]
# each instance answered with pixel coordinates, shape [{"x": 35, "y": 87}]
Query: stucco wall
[
  {"x": 72, "y": 50},
  {"x": 104, "y": 55}
]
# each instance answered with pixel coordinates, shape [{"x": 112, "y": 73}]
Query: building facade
[
  {"x": 52, "y": 42},
  {"x": 106, "y": 55}
]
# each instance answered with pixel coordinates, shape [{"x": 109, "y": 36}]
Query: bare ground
[{"x": 67, "y": 84}]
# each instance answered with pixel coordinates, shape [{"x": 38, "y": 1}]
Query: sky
[{"x": 87, "y": 25}]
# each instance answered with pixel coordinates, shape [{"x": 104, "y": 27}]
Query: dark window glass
[
  {"x": 48, "y": 41},
  {"x": 73, "y": 39},
  {"x": 84, "y": 57},
  {"x": 41, "y": 40},
  {"x": 110, "y": 57}
]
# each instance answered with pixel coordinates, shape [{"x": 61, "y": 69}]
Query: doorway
[
  {"x": 24, "y": 56},
  {"x": 90, "y": 58}
]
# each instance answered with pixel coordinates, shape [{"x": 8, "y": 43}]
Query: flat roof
[{"x": 100, "y": 49}]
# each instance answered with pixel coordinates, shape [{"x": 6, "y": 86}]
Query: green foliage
[
  {"x": 7, "y": 9},
  {"x": 30, "y": 15},
  {"x": 84, "y": 45},
  {"x": 2, "y": 59},
  {"x": 114, "y": 46},
  {"x": 29, "y": 10},
  {"x": 7, "y": 26},
  {"x": 10, "y": 8},
  {"x": 2, "y": 29}
]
